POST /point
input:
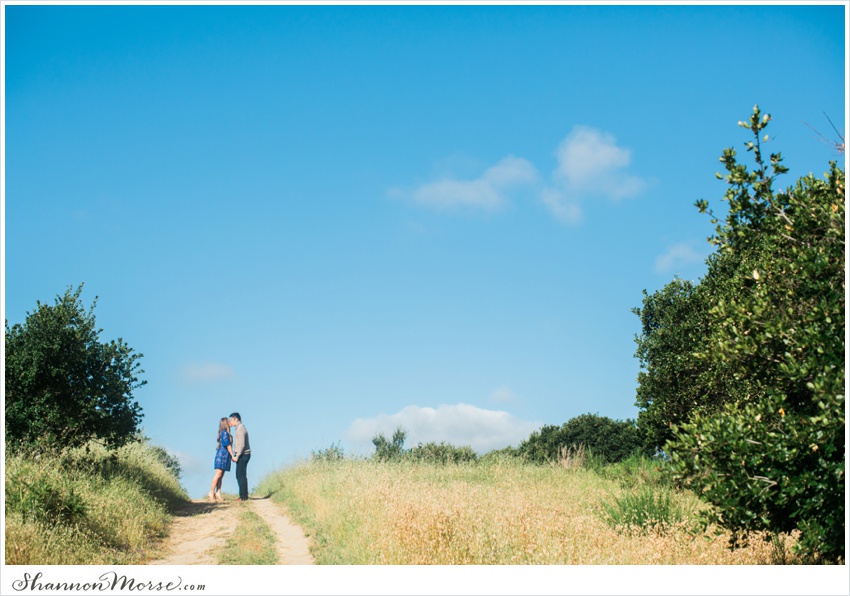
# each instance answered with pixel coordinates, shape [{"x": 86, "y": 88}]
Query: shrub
[
  {"x": 639, "y": 470},
  {"x": 610, "y": 440},
  {"x": 773, "y": 459},
  {"x": 442, "y": 453},
  {"x": 333, "y": 453},
  {"x": 389, "y": 450}
]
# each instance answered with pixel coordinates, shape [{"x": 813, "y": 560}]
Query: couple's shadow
[{"x": 200, "y": 507}]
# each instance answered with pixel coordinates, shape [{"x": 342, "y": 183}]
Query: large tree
[
  {"x": 63, "y": 385},
  {"x": 768, "y": 452}
]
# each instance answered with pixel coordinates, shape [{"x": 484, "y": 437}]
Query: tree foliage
[
  {"x": 433, "y": 453},
  {"x": 607, "y": 439},
  {"x": 63, "y": 385},
  {"x": 745, "y": 375},
  {"x": 388, "y": 450},
  {"x": 674, "y": 382},
  {"x": 442, "y": 453}
]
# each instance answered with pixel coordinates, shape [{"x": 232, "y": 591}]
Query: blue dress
[{"x": 222, "y": 457}]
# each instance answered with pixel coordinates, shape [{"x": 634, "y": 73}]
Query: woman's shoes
[
  {"x": 218, "y": 497},
  {"x": 211, "y": 497}
]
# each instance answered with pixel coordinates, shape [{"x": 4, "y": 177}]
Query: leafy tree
[
  {"x": 671, "y": 381},
  {"x": 610, "y": 440},
  {"x": 675, "y": 381},
  {"x": 771, "y": 456},
  {"x": 63, "y": 385},
  {"x": 389, "y": 449}
]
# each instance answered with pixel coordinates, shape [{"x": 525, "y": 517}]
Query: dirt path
[
  {"x": 202, "y": 528},
  {"x": 292, "y": 545}
]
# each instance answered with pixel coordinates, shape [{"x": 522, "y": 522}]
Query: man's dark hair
[{"x": 237, "y": 416}]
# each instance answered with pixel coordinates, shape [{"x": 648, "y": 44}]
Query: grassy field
[
  {"x": 502, "y": 512},
  {"x": 88, "y": 506}
]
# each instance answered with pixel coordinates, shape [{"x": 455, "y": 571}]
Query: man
[{"x": 241, "y": 454}]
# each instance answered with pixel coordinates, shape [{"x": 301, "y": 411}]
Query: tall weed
[{"x": 646, "y": 508}]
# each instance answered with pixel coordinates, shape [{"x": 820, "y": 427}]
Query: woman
[{"x": 223, "y": 457}]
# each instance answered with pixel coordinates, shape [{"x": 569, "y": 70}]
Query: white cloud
[
  {"x": 678, "y": 255},
  {"x": 488, "y": 192},
  {"x": 209, "y": 371},
  {"x": 590, "y": 161},
  {"x": 459, "y": 424},
  {"x": 590, "y": 164}
]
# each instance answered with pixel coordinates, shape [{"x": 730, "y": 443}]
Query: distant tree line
[{"x": 607, "y": 440}]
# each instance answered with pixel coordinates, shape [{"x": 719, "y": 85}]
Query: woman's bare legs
[
  {"x": 217, "y": 491},
  {"x": 216, "y": 483}
]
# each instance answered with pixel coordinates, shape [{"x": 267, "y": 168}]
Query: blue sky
[{"x": 339, "y": 219}]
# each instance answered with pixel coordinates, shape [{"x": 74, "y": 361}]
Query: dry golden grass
[{"x": 362, "y": 512}]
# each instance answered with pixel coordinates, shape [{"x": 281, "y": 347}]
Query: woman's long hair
[{"x": 223, "y": 424}]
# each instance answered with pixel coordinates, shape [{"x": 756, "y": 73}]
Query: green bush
[
  {"x": 607, "y": 439},
  {"x": 772, "y": 457},
  {"x": 763, "y": 469},
  {"x": 333, "y": 453},
  {"x": 639, "y": 470},
  {"x": 441, "y": 453}
]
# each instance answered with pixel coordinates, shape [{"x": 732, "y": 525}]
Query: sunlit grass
[
  {"x": 87, "y": 506},
  {"x": 362, "y": 512},
  {"x": 252, "y": 542}
]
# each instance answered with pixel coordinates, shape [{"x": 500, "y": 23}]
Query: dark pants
[{"x": 242, "y": 474}]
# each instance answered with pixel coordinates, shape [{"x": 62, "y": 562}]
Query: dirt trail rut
[{"x": 201, "y": 529}]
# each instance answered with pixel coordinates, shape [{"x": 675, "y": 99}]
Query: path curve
[{"x": 201, "y": 528}]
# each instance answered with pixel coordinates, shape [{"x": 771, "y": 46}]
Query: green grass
[
  {"x": 647, "y": 509},
  {"x": 88, "y": 506},
  {"x": 252, "y": 543}
]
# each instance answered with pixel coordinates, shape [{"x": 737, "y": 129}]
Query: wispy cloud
[
  {"x": 565, "y": 209},
  {"x": 459, "y": 424},
  {"x": 589, "y": 164},
  {"x": 194, "y": 373},
  {"x": 487, "y": 192},
  {"x": 676, "y": 256},
  {"x": 503, "y": 395}
]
